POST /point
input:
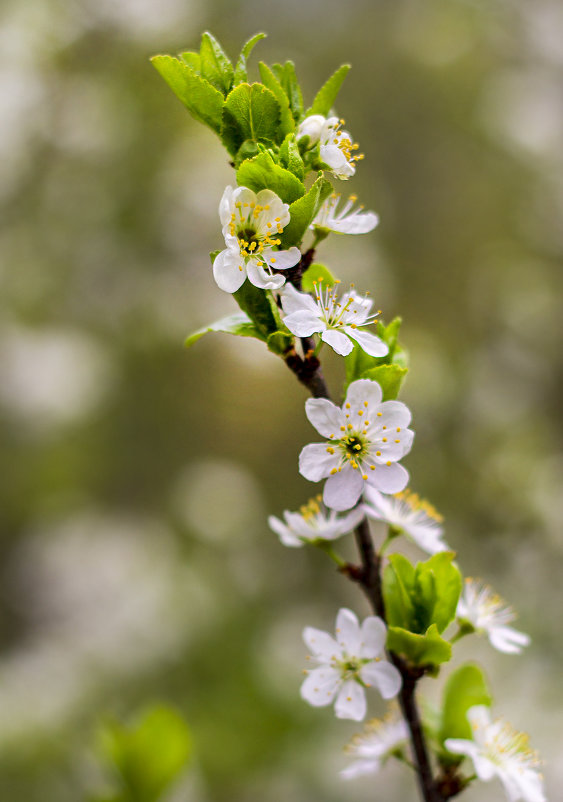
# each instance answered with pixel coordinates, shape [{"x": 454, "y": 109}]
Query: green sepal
[
  {"x": 427, "y": 650},
  {"x": 202, "y": 100},
  {"x": 302, "y": 212},
  {"x": 389, "y": 378},
  {"x": 148, "y": 756},
  {"x": 238, "y": 324},
  {"x": 290, "y": 157},
  {"x": 285, "y": 73},
  {"x": 215, "y": 66},
  {"x": 240, "y": 69},
  {"x": 466, "y": 687},
  {"x": 260, "y": 307},
  {"x": 287, "y": 123},
  {"x": 326, "y": 95},
  {"x": 262, "y": 172},
  {"x": 279, "y": 342},
  {"x": 314, "y": 274},
  {"x": 251, "y": 111}
]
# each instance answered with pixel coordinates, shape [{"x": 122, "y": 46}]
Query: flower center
[
  {"x": 354, "y": 446},
  {"x": 418, "y": 504},
  {"x": 349, "y": 666}
]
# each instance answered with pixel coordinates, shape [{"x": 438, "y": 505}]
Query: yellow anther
[
  {"x": 347, "y": 406},
  {"x": 350, "y": 426},
  {"x": 360, "y": 412},
  {"x": 384, "y": 440},
  {"x": 378, "y": 453},
  {"x": 397, "y": 441},
  {"x": 379, "y": 414},
  {"x": 330, "y": 450},
  {"x": 388, "y": 463},
  {"x": 343, "y": 428},
  {"x": 384, "y": 427},
  {"x": 364, "y": 476},
  {"x": 372, "y": 467},
  {"x": 333, "y": 471},
  {"x": 398, "y": 428},
  {"x": 273, "y": 259}
]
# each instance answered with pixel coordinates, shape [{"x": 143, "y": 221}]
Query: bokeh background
[{"x": 136, "y": 564}]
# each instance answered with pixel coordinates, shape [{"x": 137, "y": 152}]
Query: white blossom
[
  {"x": 481, "y": 609},
  {"x": 252, "y": 224},
  {"x": 348, "y": 664},
  {"x": 497, "y": 750},
  {"x": 347, "y": 220},
  {"x": 311, "y": 127},
  {"x": 366, "y": 440},
  {"x": 406, "y": 511},
  {"x": 371, "y": 748},
  {"x": 313, "y": 522},
  {"x": 337, "y": 320},
  {"x": 337, "y": 149}
]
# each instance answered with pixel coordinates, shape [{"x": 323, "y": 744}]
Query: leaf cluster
[{"x": 390, "y": 370}]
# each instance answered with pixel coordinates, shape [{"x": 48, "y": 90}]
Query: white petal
[
  {"x": 321, "y": 644},
  {"x": 343, "y": 489},
  {"x": 338, "y": 341},
  {"x": 508, "y": 640},
  {"x": 350, "y": 520},
  {"x": 369, "y": 343},
  {"x": 333, "y": 156},
  {"x": 303, "y": 323},
  {"x": 315, "y": 463},
  {"x": 320, "y": 686},
  {"x": 389, "y": 478},
  {"x": 384, "y": 676},
  {"x": 229, "y": 270},
  {"x": 284, "y": 533},
  {"x": 356, "y": 223},
  {"x": 351, "y": 701},
  {"x": 374, "y": 635},
  {"x": 461, "y": 746},
  {"x": 294, "y": 301},
  {"x": 281, "y": 260},
  {"x": 243, "y": 195},
  {"x": 364, "y": 390},
  {"x": 348, "y": 632},
  {"x": 359, "y": 768},
  {"x": 260, "y": 278},
  {"x": 325, "y": 416},
  {"x": 395, "y": 413},
  {"x": 225, "y": 206}
]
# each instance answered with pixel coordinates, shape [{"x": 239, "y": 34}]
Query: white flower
[
  {"x": 251, "y": 227},
  {"x": 311, "y": 127},
  {"x": 344, "y": 221},
  {"x": 313, "y": 522},
  {"x": 379, "y": 740},
  {"x": 407, "y": 511},
  {"x": 337, "y": 149},
  {"x": 483, "y": 610},
  {"x": 337, "y": 320},
  {"x": 349, "y": 664},
  {"x": 497, "y": 750},
  {"x": 366, "y": 439}
]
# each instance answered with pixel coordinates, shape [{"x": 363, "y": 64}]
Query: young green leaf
[
  {"x": 428, "y": 649},
  {"x": 326, "y": 95},
  {"x": 302, "y": 212},
  {"x": 202, "y": 100},
  {"x": 263, "y": 173},
  {"x": 260, "y": 308},
  {"x": 314, "y": 274},
  {"x": 192, "y": 59},
  {"x": 251, "y": 111},
  {"x": 279, "y": 342},
  {"x": 238, "y": 324},
  {"x": 398, "y": 584},
  {"x": 290, "y": 157},
  {"x": 216, "y": 66},
  {"x": 465, "y": 688},
  {"x": 448, "y": 583},
  {"x": 389, "y": 377},
  {"x": 287, "y": 123},
  {"x": 288, "y": 79},
  {"x": 360, "y": 365},
  {"x": 240, "y": 69}
]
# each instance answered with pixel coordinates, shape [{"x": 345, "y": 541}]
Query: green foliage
[
  {"x": 389, "y": 377},
  {"x": 147, "y": 756},
  {"x": 288, "y": 79},
  {"x": 287, "y": 123},
  {"x": 262, "y": 310},
  {"x": 251, "y": 111},
  {"x": 315, "y": 273},
  {"x": 390, "y": 370},
  {"x": 465, "y": 688},
  {"x": 421, "y": 600},
  {"x": 290, "y": 157},
  {"x": 202, "y": 100},
  {"x": 262, "y": 172},
  {"x": 215, "y": 65},
  {"x": 326, "y": 95},
  {"x": 240, "y": 69},
  {"x": 303, "y": 211},
  {"x": 238, "y": 324}
]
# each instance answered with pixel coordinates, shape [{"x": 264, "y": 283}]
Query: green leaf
[
  {"x": 389, "y": 377},
  {"x": 287, "y": 123},
  {"x": 216, "y": 66},
  {"x": 326, "y": 95},
  {"x": 279, "y": 342},
  {"x": 240, "y": 69},
  {"x": 288, "y": 79},
  {"x": 398, "y": 584},
  {"x": 303, "y": 211},
  {"x": 192, "y": 59},
  {"x": 360, "y": 365},
  {"x": 466, "y": 687},
  {"x": 149, "y": 755},
  {"x": 251, "y": 111},
  {"x": 238, "y": 324},
  {"x": 428, "y": 650},
  {"x": 260, "y": 307},
  {"x": 290, "y": 157},
  {"x": 314, "y": 274},
  {"x": 201, "y": 99},
  {"x": 448, "y": 584},
  {"x": 263, "y": 173}
]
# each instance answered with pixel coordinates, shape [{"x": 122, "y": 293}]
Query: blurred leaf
[
  {"x": 428, "y": 649},
  {"x": 251, "y": 111},
  {"x": 201, "y": 99},
  {"x": 326, "y": 95},
  {"x": 262, "y": 172},
  {"x": 290, "y": 157},
  {"x": 192, "y": 59},
  {"x": 260, "y": 307},
  {"x": 389, "y": 378},
  {"x": 216, "y": 66},
  {"x": 149, "y": 755},
  {"x": 239, "y": 324},
  {"x": 398, "y": 586},
  {"x": 465, "y": 688},
  {"x": 303, "y": 211},
  {"x": 287, "y": 123},
  {"x": 240, "y": 69},
  {"x": 315, "y": 273},
  {"x": 288, "y": 79}
]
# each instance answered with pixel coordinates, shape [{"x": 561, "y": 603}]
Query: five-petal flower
[
  {"x": 482, "y": 610},
  {"x": 348, "y": 664},
  {"x": 252, "y": 224},
  {"x": 366, "y": 440},
  {"x": 313, "y": 522}
]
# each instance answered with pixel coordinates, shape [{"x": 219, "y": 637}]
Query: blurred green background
[{"x": 137, "y": 477}]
